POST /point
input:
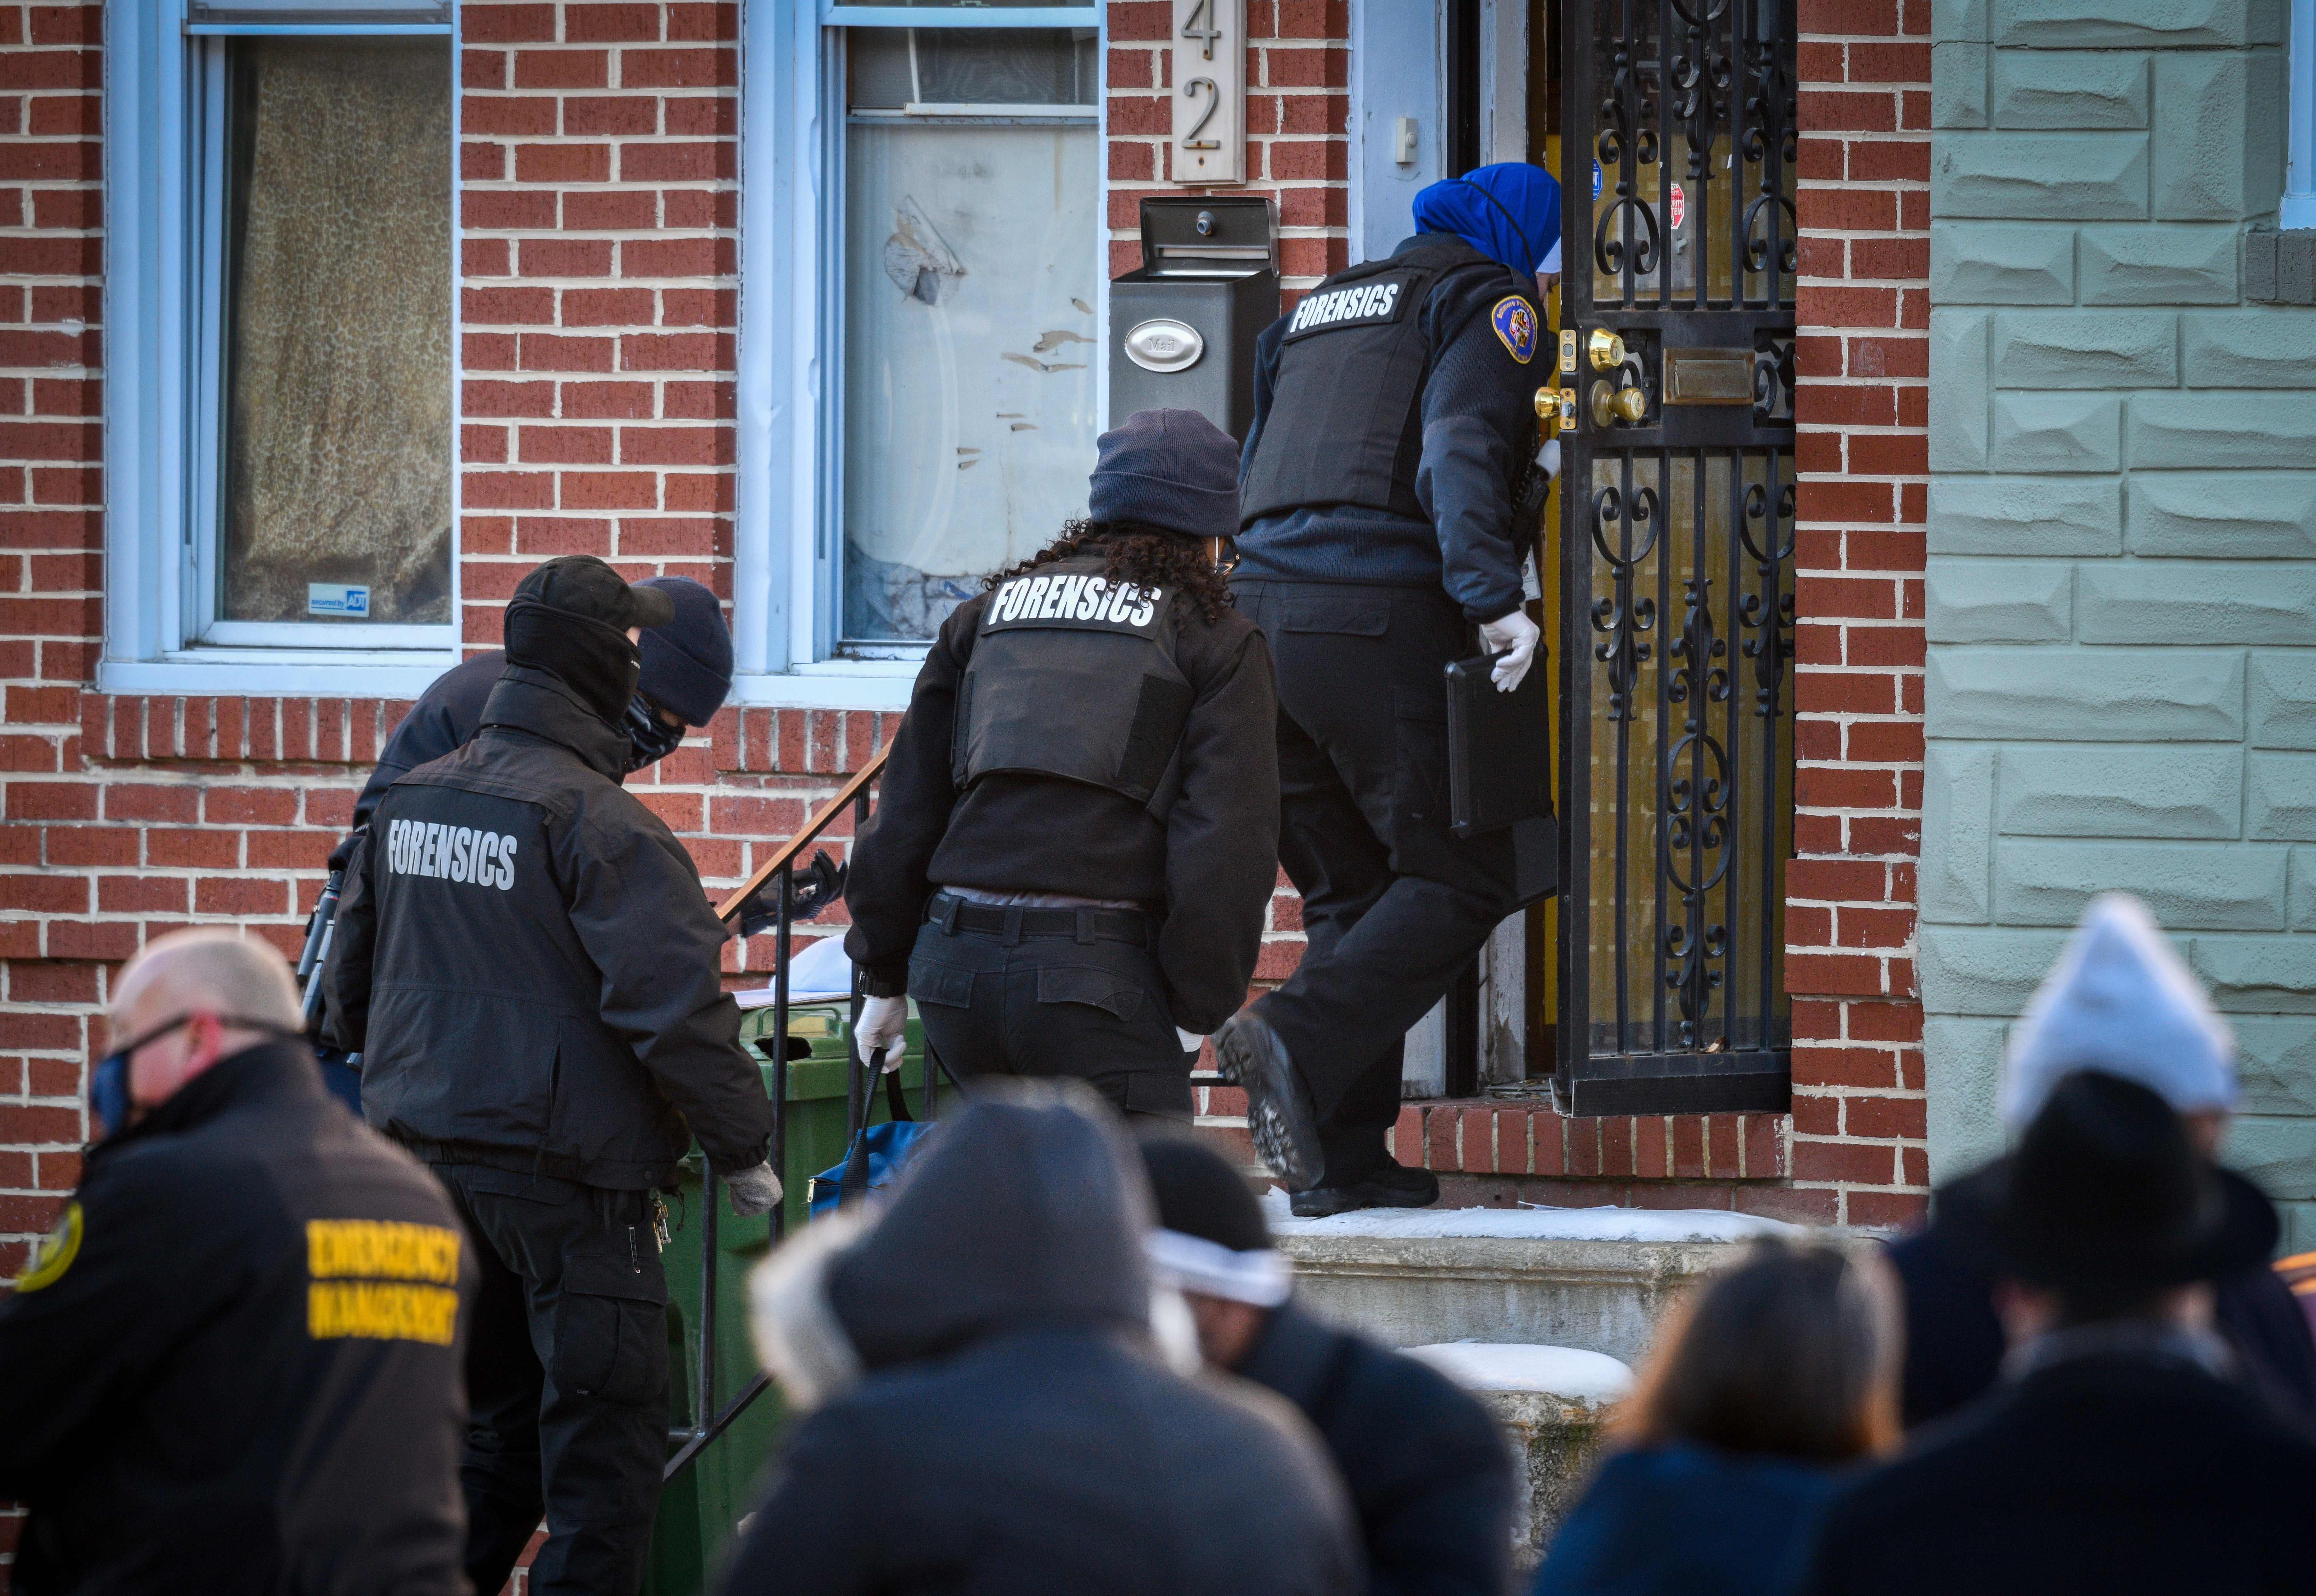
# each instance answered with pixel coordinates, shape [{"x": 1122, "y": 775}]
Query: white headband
[{"x": 1261, "y": 1277}]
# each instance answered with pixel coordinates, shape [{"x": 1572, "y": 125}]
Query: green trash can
[{"x": 701, "y": 1507}]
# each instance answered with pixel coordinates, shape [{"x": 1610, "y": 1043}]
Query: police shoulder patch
[
  {"x": 55, "y": 1252},
  {"x": 1514, "y": 320}
]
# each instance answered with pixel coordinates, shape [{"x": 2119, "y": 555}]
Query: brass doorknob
[
  {"x": 1555, "y": 407},
  {"x": 1607, "y": 350},
  {"x": 1611, "y": 405}
]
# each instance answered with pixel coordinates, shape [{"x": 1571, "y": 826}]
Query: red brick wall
[
  {"x": 599, "y": 161},
  {"x": 1862, "y": 404},
  {"x": 50, "y": 355}
]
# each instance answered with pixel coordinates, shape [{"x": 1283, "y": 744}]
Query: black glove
[{"x": 818, "y": 885}]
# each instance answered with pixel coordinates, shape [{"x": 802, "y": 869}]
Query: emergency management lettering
[
  {"x": 1365, "y": 301},
  {"x": 450, "y": 853},
  {"x": 410, "y": 1292},
  {"x": 1076, "y": 597}
]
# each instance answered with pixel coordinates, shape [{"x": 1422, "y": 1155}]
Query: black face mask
[
  {"x": 650, "y": 739},
  {"x": 594, "y": 659}
]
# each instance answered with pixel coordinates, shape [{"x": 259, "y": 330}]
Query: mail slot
[
  {"x": 1183, "y": 323},
  {"x": 1708, "y": 376}
]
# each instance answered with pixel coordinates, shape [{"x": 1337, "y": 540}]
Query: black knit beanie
[
  {"x": 571, "y": 617},
  {"x": 1199, "y": 1194},
  {"x": 688, "y": 662},
  {"x": 1172, "y": 469}
]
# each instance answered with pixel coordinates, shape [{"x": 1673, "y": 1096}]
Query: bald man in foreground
[{"x": 234, "y": 1365}]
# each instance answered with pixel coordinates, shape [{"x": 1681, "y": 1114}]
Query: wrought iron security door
[{"x": 1676, "y": 543}]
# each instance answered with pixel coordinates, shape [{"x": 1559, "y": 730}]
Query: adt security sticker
[
  {"x": 337, "y": 598},
  {"x": 1515, "y": 324},
  {"x": 1596, "y": 180}
]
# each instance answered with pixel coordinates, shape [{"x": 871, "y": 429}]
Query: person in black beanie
[
  {"x": 1077, "y": 836},
  {"x": 527, "y": 962},
  {"x": 1430, "y": 1476},
  {"x": 686, "y": 675}
]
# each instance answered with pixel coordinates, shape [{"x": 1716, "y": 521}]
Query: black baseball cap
[{"x": 581, "y": 585}]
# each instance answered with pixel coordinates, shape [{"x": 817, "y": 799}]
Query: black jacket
[
  {"x": 2113, "y": 1475},
  {"x": 1012, "y": 1431},
  {"x": 1478, "y": 421},
  {"x": 1428, "y": 1475},
  {"x": 1953, "y": 1341},
  {"x": 1209, "y": 871},
  {"x": 444, "y": 717},
  {"x": 167, "y": 1409},
  {"x": 527, "y": 962}
]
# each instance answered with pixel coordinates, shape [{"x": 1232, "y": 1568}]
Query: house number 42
[{"x": 1209, "y": 91}]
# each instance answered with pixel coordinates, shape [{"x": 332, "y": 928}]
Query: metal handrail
[{"x": 708, "y": 1421}]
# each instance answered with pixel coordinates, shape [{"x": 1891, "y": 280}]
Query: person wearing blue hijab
[
  {"x": 1508, "y": 212},
  {"x": 1379, "y": 541}
]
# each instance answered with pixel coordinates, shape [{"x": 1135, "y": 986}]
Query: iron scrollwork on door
[{"x": 1677, "y": 748}]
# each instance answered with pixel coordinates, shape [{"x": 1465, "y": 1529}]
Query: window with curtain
[{"x": 327, "y": 208}]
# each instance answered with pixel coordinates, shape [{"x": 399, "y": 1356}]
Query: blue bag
[{"x": 876, "y": 1158}]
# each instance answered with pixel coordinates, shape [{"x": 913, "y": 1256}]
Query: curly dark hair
[{"x": 1140, "y": 554}]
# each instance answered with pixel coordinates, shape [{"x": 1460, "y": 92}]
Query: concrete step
[
  {"x": 1551, "y": 1402},
  {"x": 1594, "y": 1279}
]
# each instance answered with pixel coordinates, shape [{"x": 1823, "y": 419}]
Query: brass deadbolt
[
  {"x": 1611, "y": 405},
  {"x": 1607, "y": 350}
]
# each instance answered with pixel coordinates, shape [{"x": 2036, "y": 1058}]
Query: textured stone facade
[{"x": 2121, "y": 595}]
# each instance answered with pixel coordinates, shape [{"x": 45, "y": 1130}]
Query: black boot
[
  {"x": 1391, "y": 1186},
  {"x": 1280, "y": 1114}
]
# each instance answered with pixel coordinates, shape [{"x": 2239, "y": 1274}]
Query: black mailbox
[{"x": 1182, "y": 324}]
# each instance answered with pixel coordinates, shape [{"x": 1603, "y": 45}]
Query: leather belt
[{"x": 953, "y": 914}]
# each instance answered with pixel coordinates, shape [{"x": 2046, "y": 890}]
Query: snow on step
[
  {"x": 1570, "y": 1373},
  {"x": 1529, "y": 1223}
]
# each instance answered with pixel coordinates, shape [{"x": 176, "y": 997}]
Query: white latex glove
[
  {"x": 753, "y": 1191},
  {"x": 1548, "y": 459},
  {"x": 884, "y": 1022},
  {"x": 1518, "y": 633},
  {"x": 1191, "y": 1042}
]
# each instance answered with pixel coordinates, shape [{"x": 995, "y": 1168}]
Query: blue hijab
[{"x": 1508, "y": 212}]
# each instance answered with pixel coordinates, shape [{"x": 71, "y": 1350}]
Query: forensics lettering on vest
[
  {"x": 1075, "y": 601},
  {"x": 1355, "y": 305},
  {"x": 450, "y": 853},
  {"x": 1073, "y": 676}
]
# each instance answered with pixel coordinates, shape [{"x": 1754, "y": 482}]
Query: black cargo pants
[
  {"x": 567, "y": 1381},
  {"x": 1395, "y": 906},
  {"x": 1051, "y": 991}
]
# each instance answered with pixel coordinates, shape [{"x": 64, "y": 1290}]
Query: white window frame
[
  {"x": 2297, "y": 209},
  {"x": 788, "y": 528},
  {"x": 162, "y": 436}
]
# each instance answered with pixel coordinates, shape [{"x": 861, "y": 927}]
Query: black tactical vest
[
  {"x": 1073, "y": 676},
  {"x": 1345, "y": 423}
]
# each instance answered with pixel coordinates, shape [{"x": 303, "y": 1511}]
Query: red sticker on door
[{"x": 1678, "y": 206}]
